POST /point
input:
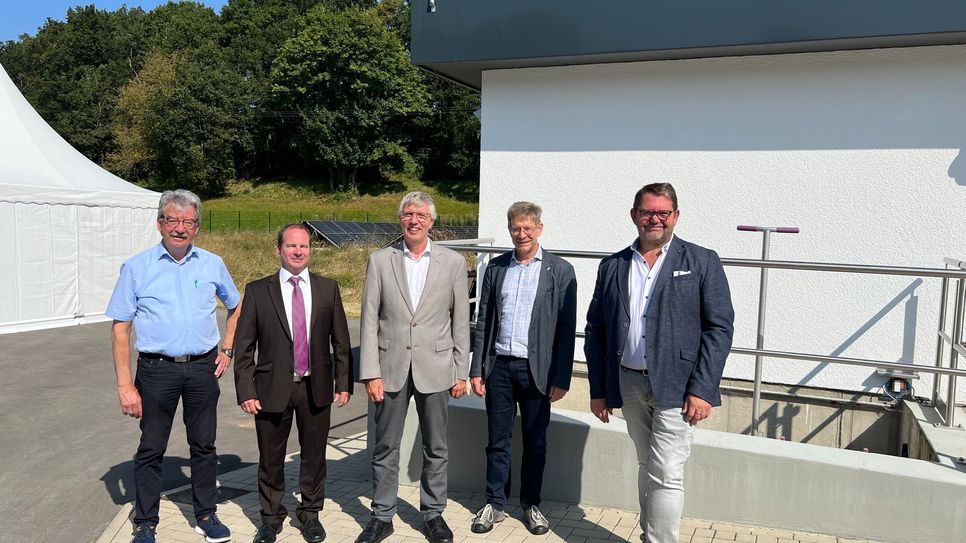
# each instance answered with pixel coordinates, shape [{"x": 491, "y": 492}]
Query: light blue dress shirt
[
  {"x": 172, "y": 304},
  {"x": 516, "y": 306}
]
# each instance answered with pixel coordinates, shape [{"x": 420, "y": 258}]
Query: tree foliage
[
  {"x": 351, "y": 83},
  {"x": 179, "y": 122}
]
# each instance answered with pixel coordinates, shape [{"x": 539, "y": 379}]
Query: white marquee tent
[{"x": 67, "y": 223}]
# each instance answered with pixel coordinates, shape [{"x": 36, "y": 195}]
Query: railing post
[
  {"x": 762, "y": 303},
  {"x": 957, "y": 337},
  {"x": 940, "y": 344}
]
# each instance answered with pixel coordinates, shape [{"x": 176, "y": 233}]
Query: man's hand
[
  {"x": 252, "y": 407},
  {"x": 374, "y": 389},
  {"x": 695, "y": 409},
  {"x": 598, "y": 406},
  {"x": 479, "y": 387},
  {"x": 557, "y": 393},
  {"x": 130, "y": 400},
  {"x": 459, "y": 389},
  {"x": 340, "y": 399},
  {"x": 221, "y": 364}
]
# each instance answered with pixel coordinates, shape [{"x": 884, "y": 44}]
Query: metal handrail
[{"x": 955, "y": 340}]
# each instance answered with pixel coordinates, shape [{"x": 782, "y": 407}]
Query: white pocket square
[{"x": 679, "y": 273}]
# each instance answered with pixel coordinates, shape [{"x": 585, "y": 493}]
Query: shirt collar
[
  {"x": 536, "y": 258},
  {"x": 162, "y": 252},
  {"x": 427, "y": 252},
  {"x": 285, "y": 275},
  {"x": 664, "y": 248}
]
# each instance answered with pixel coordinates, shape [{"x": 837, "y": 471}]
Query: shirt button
[{"x": 409, "y": 346}]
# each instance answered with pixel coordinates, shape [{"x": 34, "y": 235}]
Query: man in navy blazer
[
  {"x": 523, "y": 354},
  {"x": 659, "y": 330}
]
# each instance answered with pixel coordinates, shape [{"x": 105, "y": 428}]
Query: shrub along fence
[{"x": 269, "y": 221}]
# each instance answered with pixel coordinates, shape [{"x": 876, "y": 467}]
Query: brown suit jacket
[{"x": 263, "y": 325}]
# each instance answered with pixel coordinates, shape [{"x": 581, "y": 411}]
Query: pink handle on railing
[{"x": 779, "y": 229}]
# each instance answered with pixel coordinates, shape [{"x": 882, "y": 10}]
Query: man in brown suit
[{"x": 292, "y": 317}]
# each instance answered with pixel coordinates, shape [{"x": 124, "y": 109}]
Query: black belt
[
  {"x": 183, "y": 358},
  {"x": 642, "y": 372}
]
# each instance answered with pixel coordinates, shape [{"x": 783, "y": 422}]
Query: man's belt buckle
[
  {"x": 297, "y": 378},
  {"x": 183, "y": 358}
]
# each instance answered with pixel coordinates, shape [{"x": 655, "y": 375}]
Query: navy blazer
[
  {"x": 690, "y": 325},
  {"x": 551, "y": 339}
]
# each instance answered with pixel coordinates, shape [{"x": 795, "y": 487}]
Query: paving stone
[
  {"x": 704, "y": 532},
  {"x": 724, "y": 535}
]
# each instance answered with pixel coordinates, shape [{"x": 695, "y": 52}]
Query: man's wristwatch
[{"x": 228, "y": 351}]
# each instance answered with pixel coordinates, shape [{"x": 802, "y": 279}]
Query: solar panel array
[{"x": 342, "y": 233}]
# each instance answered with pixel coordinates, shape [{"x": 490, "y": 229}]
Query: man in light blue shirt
[
  {"x": 168, "y": 294},
  {"x": 523, "y": 354}
]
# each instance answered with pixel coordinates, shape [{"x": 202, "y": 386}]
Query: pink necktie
[{"x": 299, "y": 336}]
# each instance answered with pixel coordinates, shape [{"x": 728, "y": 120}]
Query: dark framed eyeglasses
[
  {"x": 662, "y": 215},
  {"x": 171, "y": 222}
]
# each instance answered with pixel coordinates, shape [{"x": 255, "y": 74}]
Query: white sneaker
[{"x": 485, "y": 519}]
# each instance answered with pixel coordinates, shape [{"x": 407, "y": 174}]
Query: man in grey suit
[
  {"x": 659, "y": 330},
  {"x": 415, "y": 343},
  {"x": 523, "y": 353}
]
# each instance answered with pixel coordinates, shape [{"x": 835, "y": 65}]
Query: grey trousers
[
  {"x": 663, "y": 441},
  {"x": 390, "y": 416}
]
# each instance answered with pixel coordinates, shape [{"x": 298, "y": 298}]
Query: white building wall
[{"x": 861, "y": 149}]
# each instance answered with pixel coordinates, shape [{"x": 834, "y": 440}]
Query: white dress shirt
[
  {"x": 416, "y": 269},
  {"x": 640, "y": 284},
  {"x": 287, "y": 289}
]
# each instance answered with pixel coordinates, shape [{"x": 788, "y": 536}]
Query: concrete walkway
[{"x": 348, "y": 495}]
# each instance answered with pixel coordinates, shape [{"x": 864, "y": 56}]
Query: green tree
[
  {"x": 351, "y": 83},
  {"x": 179, "y": 122}
]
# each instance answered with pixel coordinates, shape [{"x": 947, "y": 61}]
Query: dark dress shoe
[
  {"x": 312, "y": 531},
  {"x": 375, "y": 531},
  {"x": 266, "y": 533},
  {"x": 437, "y": 531}
]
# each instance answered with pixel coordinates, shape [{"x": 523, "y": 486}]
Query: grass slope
[{"x": 266, "y": 205}]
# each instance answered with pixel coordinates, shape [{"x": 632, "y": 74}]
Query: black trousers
[
  {"x": 162, "y": 385},
  {"x": 272, "y": 431}
]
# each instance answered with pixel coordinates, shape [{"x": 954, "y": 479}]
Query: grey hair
[
  {"x": 523, "y": 209},
  {"x": 180, "y": 199},
  {"x": 418, "y": 199}
]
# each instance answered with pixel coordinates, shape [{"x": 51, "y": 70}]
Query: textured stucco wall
[{"x": 862, "y": 150}]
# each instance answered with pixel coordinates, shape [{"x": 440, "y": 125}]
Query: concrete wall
[
  {"x": 861, "y": 149},
  {"x": 831, "y": 418},
  {"x": 731, "y": 478}
]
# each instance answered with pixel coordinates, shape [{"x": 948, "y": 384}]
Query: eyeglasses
[
  {"x": 662, "y": 215},
  {"x": 526, "y": 230},
  {"x": 421, "y": 217},
  {"x": 171, "y": 222}
]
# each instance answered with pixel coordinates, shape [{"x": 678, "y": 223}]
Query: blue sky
[{"x": 26, "y": 16}]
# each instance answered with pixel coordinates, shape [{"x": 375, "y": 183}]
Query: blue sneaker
[
  {"x": 143, "y": 533},
  {"x": 213, "y": 530}
]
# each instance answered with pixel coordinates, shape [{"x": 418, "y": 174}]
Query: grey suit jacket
[
  {"x": 690, "y": 324},
  {"x": 432, "y": 339},
  {"x": 550, "y": 341}
]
